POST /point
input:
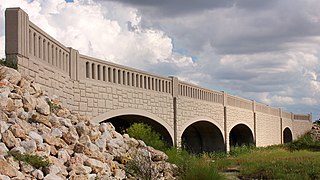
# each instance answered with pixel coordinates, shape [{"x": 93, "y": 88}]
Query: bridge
[{"x": 187, "y": 115}]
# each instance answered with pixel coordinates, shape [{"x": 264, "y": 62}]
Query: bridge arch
[
  {"x": 202, "y": 135},
  {"x": 130, "y": 115},
  {"x": 241, "y": 134},
  {"x": 287, "y": 135}
]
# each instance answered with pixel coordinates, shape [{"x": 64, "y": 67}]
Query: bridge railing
[
  {"x": 267, "y": 109},
  {"x": 196, "y": 92},
  {"x": 301, "y": 117},
  {"x": 107, "y": 72},
  {"x": 287, "y": 115},
  {"x": 239, "y": 102},
  {"x": 48, "y": 50}
]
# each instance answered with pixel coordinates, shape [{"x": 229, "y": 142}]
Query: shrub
[
  {"x": 53, "y": 107},
  {"x": 140, "y": 166},
  {"x": 8, "y": 63},
  {"x": 145, "y": 133},
  {"x": 304, "y": 142},
  {"x": 34, "y": 160}
]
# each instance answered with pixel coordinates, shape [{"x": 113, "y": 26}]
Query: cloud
[
  {"x": 268, "y": 51},
  {"x": 110, "y": 31}
]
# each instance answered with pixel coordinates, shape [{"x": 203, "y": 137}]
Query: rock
[
  {"x": 17, "y": 131},
  {"x": 9, "y": 140},
  {"x": 36, "y": 117},
  {"x": 71, "y": 137},
  {"x": 63, "y": 155},
  {"x": 35, "y": 136},
  {"x": 29, "y": 102},
  {"x": 25, "y": 167},
  {"x": 82, "y": 169},
  {"x": 97, "y": 166},
  {"x": 157, "y": 155},
  {"x": 52, "y": 177},
  {"x": 19, "y": 149},
  {"x": 11, "y": 75},
  {"x": 78, "y": 177},
  {"x": 3, "y": 149},
  {"x": 3, "y": 126},
  {"x": 82, "y": 129},
  {"x": 120, "y": 174},
  {"x": 29, "y": 145},
  {"x": 15, "y": 96},
  {"x": 7, "y": 169},
  {"x": 42, "y": 106},
  {"x": 37, "y": 174},
  {"x": 54, "y": 141},
  {"x": 56, "y": 132},
  {"x": 4, "y": 177}
]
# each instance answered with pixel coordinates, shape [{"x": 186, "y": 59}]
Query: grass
[
  {"x": 299, "y": 159},
  {"x": 34, "y": 160}
]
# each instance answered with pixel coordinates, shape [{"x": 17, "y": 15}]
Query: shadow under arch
[
  {"x": 241, "y": 135},
  {"x": 123, "y": 118},
  {"x": 287, "y": 135},
  {"x": 203, "y": 136}
]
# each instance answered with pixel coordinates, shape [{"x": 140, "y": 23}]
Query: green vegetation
[
  {"x": 53, "y": 107},
  {"x": 34, "y": 160},
  {"x": 147, "y": 134},
  {"x": 299, "y": 159},
  {"x": 10, "y": 64}
]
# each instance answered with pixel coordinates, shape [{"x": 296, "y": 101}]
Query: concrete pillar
[
  {"x": 74, "y": 66},
  {"x": 17, "y": 35},
  {"x": 226, "y": 135},
  {"x": 254, "y": 121},
  {"x": 281, "y": 125},
  {"x": 175, "y": 93}
]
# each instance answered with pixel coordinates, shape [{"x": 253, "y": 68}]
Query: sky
[{"x": 268, "y": 51}]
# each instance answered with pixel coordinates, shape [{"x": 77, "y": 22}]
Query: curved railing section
[{"x": 47, "y": 49}]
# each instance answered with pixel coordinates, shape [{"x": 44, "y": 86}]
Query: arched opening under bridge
[
  {"x": 240, "y": 135},
  {"x": 287, "y": 135},
  {"x": 122, "y": 122},
  {"x": 203, "y": 136}
]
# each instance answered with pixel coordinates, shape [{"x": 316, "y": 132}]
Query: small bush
[
  {"x": 9, "y": 64},
  {"x": 34, "y": 160},
  {"x": 145, "y": 133},
  {"x": 53, "y": 107},
  {"x": 304, "y": 142},
  {"x": 140, "y": 166}
]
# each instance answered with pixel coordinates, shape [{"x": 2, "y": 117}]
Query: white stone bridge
[{"x": 203, "y": 119}]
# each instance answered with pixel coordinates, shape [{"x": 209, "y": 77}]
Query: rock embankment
[
  {"x": 32, "y": 123},
  {"x": 315, "y": 132}
]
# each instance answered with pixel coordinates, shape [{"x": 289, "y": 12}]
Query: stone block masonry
[{"x": 197, "y": 118}]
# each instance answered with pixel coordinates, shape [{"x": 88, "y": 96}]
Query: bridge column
[
  {"x": 226, "y": 135},
  {"x": 74, "y": 66},
  {"x": 175, "y": 93},
  {"x": 17, "y": 35},
  {"x": 254, "y": 121},
  {"x": 281, "y": 125}
]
